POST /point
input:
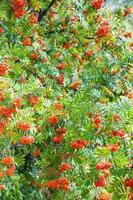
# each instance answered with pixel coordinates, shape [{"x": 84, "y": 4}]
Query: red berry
[
  {"x": 27, "y": 140},
  {"x": 97, "y": 4},
  {"x": 7, "y": 161},
  {"x": 24, "y": 126},
  {"x": 3, "y": 69},
  {"x": 103, "y": 30},
  {"x": 53, "y": 119},
  {"x": 78, "y": 144}
]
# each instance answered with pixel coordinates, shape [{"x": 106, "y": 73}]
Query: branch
[
  {"x": 43, "y": 12},
  {"x": 65, "y": 31},
  {"x": 55, "y": 31}
]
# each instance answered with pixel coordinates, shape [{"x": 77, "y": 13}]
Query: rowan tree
[{"x": 66, "y": 100}]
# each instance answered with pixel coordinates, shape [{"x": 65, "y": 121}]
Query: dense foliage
[{"x": 65, "y": 100}]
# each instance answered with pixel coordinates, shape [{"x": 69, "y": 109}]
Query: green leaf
[
  {"x": 19, "y": 159},
  {"x": 121, "y": 160},
  {"x": 102, "y": 152}
]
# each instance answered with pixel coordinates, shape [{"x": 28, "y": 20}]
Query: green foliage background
[{"x": 101, "y": 91}]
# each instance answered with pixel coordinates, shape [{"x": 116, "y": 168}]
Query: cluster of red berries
[
  {"x": 1, "y": 30},
  {"x": 61, "y": 131},
  {"x": 60, "y": 135},
  {"x": 7, "y": 112},
  {"x": 78, "y": 144},
  {"x": 88, "y": 53},
  {"x": 33, "y": 19},
  {"x": 61, "y": 183},
  {"x": 120, "y": 133},
  {"x": 113, "y": 147},
  {"x": 103, "y": 30},
  {"x": 27, "y": 41},
  {"x": 58, "y": 106},
  {"x": 53, "y": 119},
  {"x": 10, "y": 170},
  {"x": 17, "y": 103},
  {"x": 66, "y": 45},
  {"x": 3, "y": 69},
  {"x": 61, "y": 66},
  {"x": 60, "y": 79},
  {"x": 19, "y": 8},
  {"x": 97, "y": 121},
  {"x": 65, "y": 167},
  {"x": 8, "y": 161},
  {"x": 37, "y": 153},
  {"x": 97, "y": 4},
  {"x": 24, "y": 126},
  {"x": 103, "y": 165},
  {"x": 27, "y": 140},
  {"x": 129, "y": 183},
  {"x": 75, "y": 85},
  {"x": 58, "y": 139},
  {"x": 34, "y": 56},
  {"x": 101, "y": 182},
  {"x": 2, "y": 187},
  {"x": 33, "y": 100}
]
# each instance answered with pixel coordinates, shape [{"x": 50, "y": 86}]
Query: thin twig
[{"x": 43, "y": 12}]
